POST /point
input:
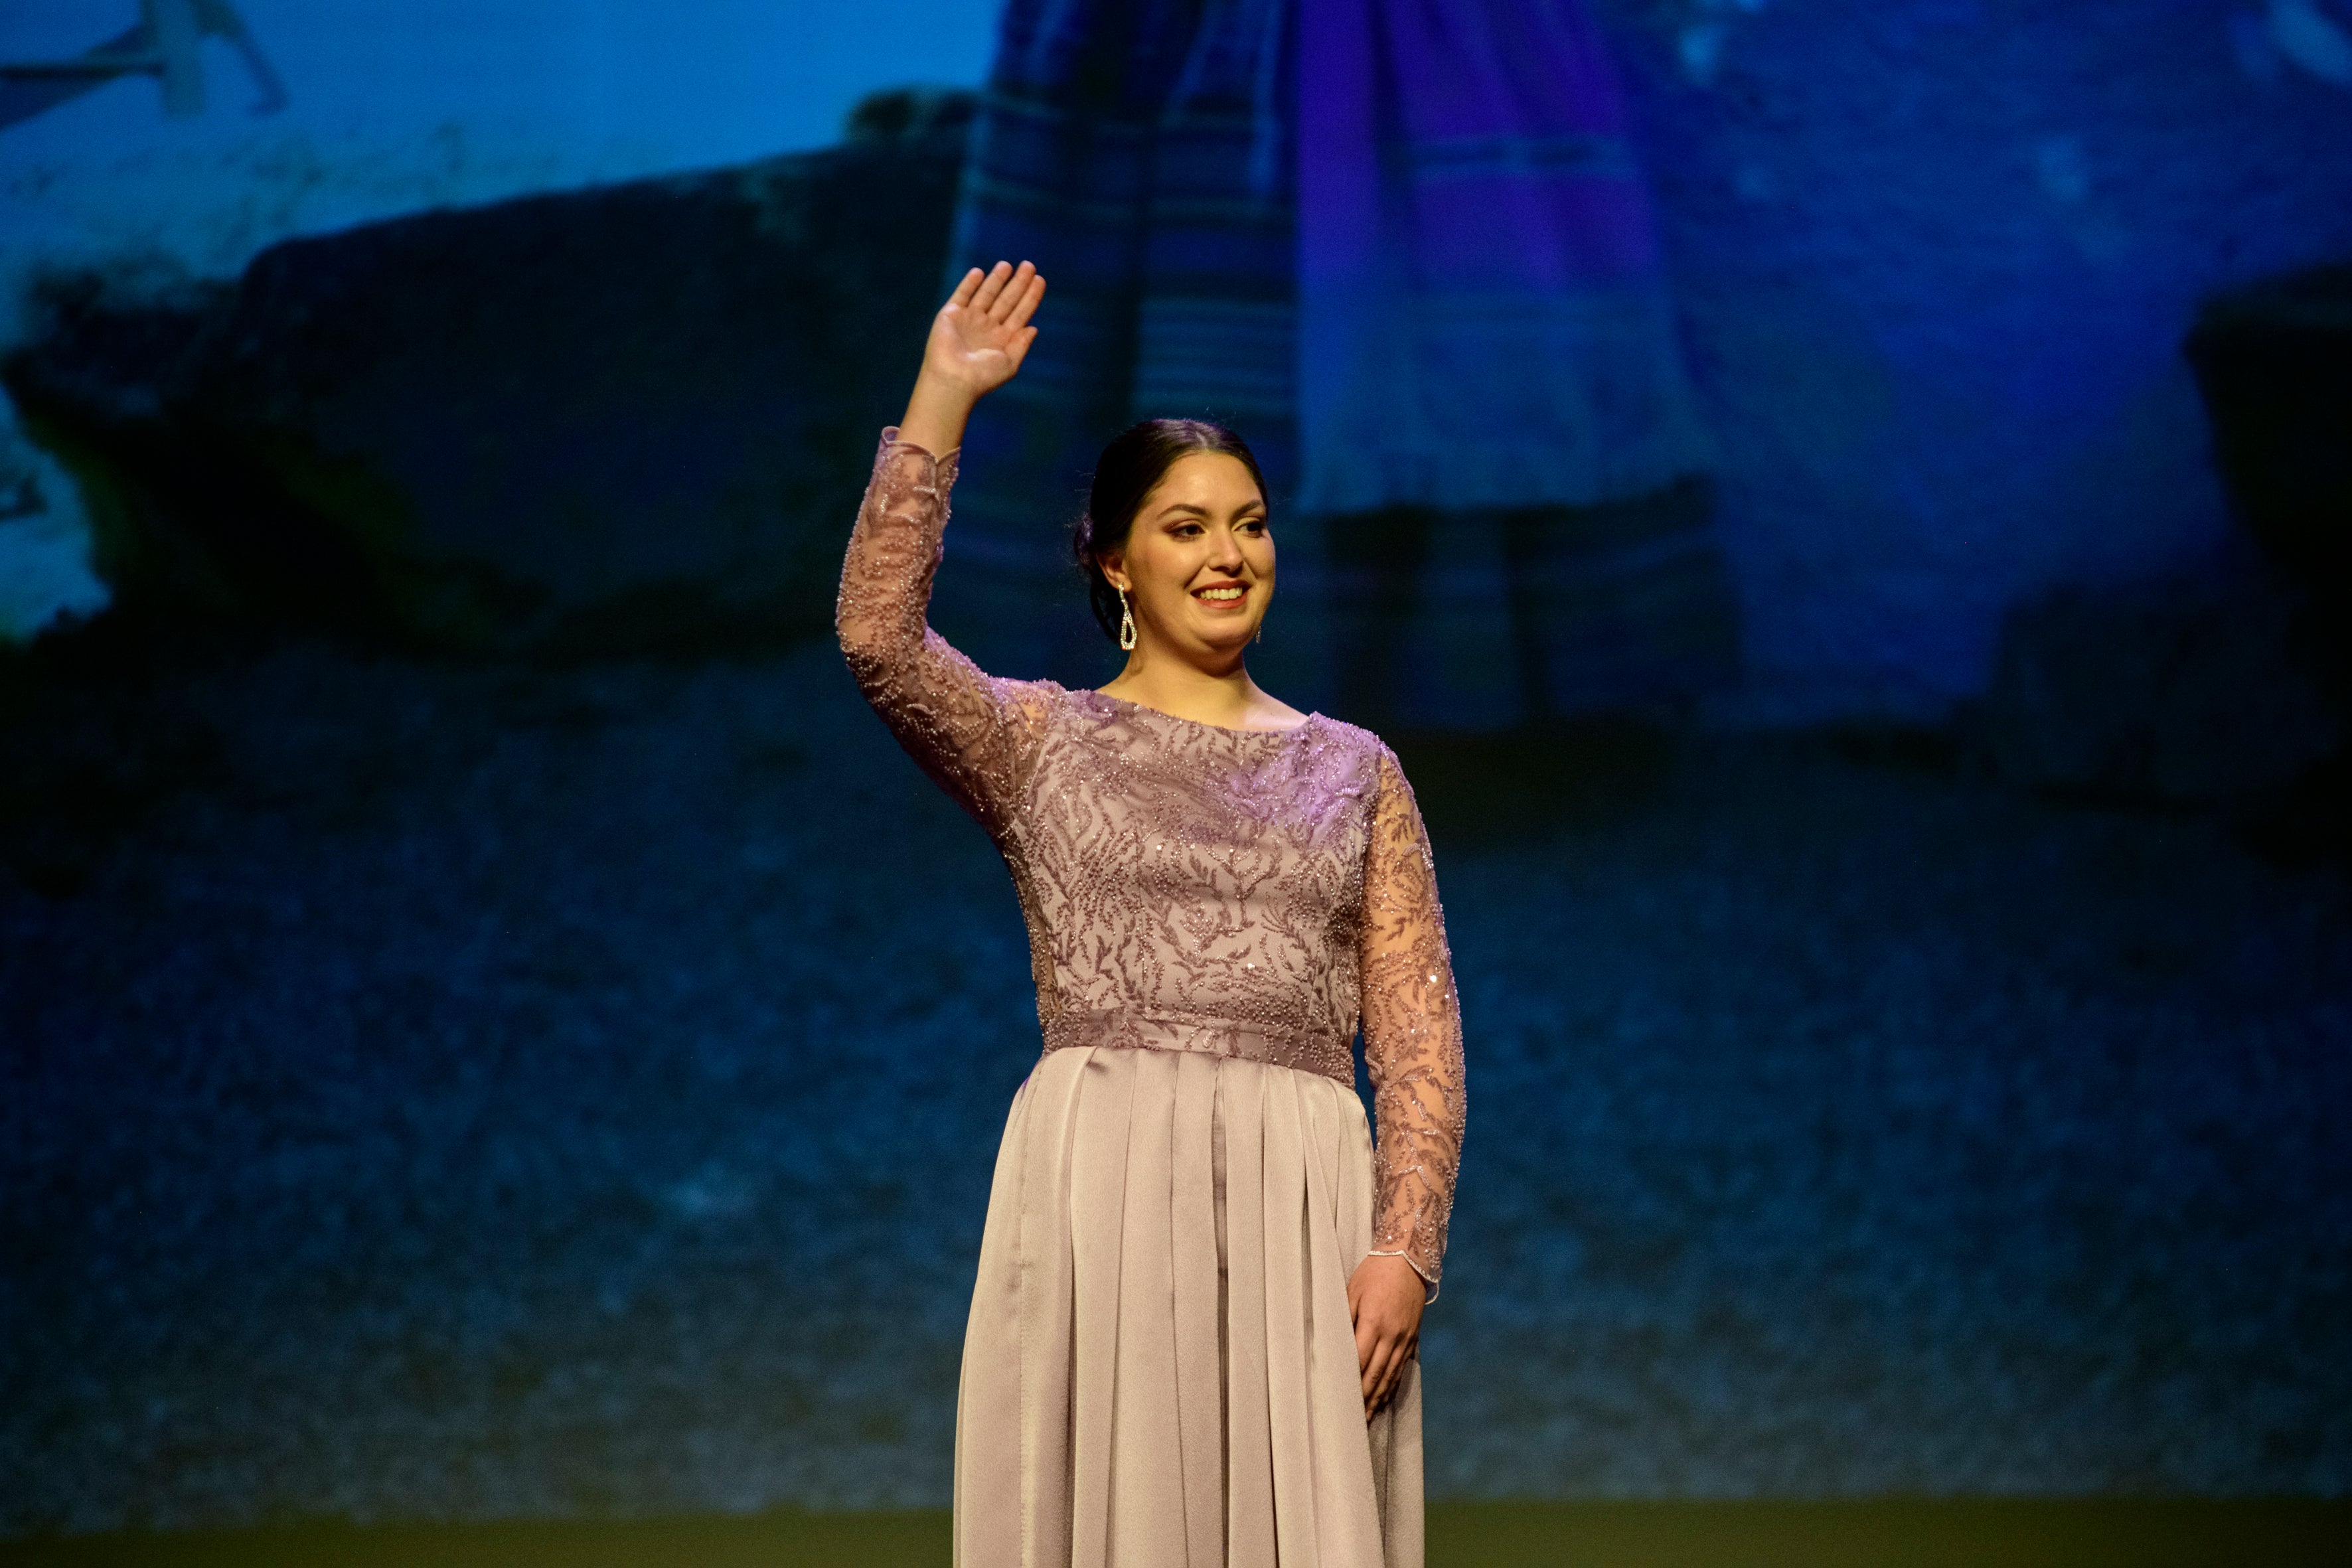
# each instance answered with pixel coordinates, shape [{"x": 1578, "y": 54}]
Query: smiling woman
[
  {"x": 1185, "y": 532},
  {"x": 1193, "y": 1232}
]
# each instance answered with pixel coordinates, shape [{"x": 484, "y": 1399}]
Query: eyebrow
[{"x": 1177, "y": 506}]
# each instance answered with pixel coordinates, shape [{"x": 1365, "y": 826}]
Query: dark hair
[{"x": 1131, "y": 468}]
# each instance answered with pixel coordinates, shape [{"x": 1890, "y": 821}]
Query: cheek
[{"x": 1162, "y": 569}]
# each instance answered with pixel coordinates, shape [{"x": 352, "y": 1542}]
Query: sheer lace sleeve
[
  {"x": 1412, "y": 1034},
  {"x": 975, "y": 735}
]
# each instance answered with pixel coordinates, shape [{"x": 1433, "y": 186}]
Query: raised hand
[
  {"x": 978, "y": 340},
  {"x": 982, "y": 333}
]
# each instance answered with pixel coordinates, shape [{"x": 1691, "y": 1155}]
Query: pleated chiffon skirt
[{"x": 1160, "y": 1370}]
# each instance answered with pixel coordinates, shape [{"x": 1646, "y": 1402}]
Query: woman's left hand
[{"x": 1385, "y": 1295}]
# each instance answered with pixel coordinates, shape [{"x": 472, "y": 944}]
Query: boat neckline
[{"x": 1199, "y": 723}]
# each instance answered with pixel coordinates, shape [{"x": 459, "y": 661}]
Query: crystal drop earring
[{"x": 1125, "y": 624}]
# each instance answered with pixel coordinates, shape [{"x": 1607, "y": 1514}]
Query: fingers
[
  {"x": 1398, "y": 1364},
  {"x": 1382, "y": 1374},
  {"x": 1012, "y": 296},
  {"x": 1381, "y": 1357},
  {"x": 1025, "y": 305},
  {"x": 967, "y": 288},
  {"x": 1371, "y": 1342},
  {"x": 1009, "y": 294},
  {"x": 991, "y": 288}
]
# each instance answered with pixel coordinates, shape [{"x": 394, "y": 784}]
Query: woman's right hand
[{"x": 978, "y": 341}]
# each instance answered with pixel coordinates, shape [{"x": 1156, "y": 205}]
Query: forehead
[{"x": 1216, "y": 480}]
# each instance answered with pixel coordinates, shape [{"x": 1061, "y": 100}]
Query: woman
[{"x": 1193, "y": 1337}]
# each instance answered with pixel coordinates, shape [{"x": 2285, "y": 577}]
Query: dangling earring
[{"x": 1125, "y": 624}]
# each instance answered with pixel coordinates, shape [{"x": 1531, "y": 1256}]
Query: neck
[{"x": 1224, "y": 695}]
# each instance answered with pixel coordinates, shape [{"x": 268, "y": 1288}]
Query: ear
[{"x": 1114, "y": 570}]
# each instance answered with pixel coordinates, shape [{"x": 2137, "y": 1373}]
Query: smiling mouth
[{"x": 1222, "y": 593}]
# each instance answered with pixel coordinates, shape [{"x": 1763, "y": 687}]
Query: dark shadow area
[
  {"x": 1888, "y": 1533},
  {"x": 95, "y": 732},
  {"x": 1532, "y": 785}
]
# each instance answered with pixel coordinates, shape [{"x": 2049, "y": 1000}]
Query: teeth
[{"x": 1221, "y": 592}]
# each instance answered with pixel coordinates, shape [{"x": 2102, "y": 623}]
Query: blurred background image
[{"x": 1855, "y": 551}]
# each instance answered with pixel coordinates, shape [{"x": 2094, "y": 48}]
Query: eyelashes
[{"x": 1254, "y": 525}]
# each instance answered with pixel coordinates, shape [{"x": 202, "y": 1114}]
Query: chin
[{"x": 1226, "y": 639}]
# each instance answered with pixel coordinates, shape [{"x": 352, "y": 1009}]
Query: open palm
[{"x": 982, "y": 333}]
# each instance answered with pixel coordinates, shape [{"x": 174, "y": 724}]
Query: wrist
[
  {"x": 936, "y": 414},
  {"x": 1404, "y": 1272},
  {"x": 947, "y": 394}
]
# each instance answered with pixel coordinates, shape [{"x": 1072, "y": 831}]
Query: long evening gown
[{"x": 1160, "y": 1370}]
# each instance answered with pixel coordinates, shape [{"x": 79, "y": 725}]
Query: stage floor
[{"x": 1897, "y": 1533}]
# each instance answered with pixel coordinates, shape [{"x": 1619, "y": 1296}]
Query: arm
[
  {"x": 1412, "y": 1051},
  {"x": 964, "y": 727}
]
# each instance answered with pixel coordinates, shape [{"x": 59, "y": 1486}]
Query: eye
[
  {"x": 1252, "y": 526},
  {"x": 1186, "y": 529}
]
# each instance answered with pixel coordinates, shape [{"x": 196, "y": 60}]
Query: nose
[{"x": 1227, "y": 555}]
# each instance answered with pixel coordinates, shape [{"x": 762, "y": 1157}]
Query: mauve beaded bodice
[{"x": 1246, "y": 893}]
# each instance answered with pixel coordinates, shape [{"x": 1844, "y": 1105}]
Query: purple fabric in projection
[
  {"x": 1408, "y": 249},
  {"x": 1483, "y": 322}
]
